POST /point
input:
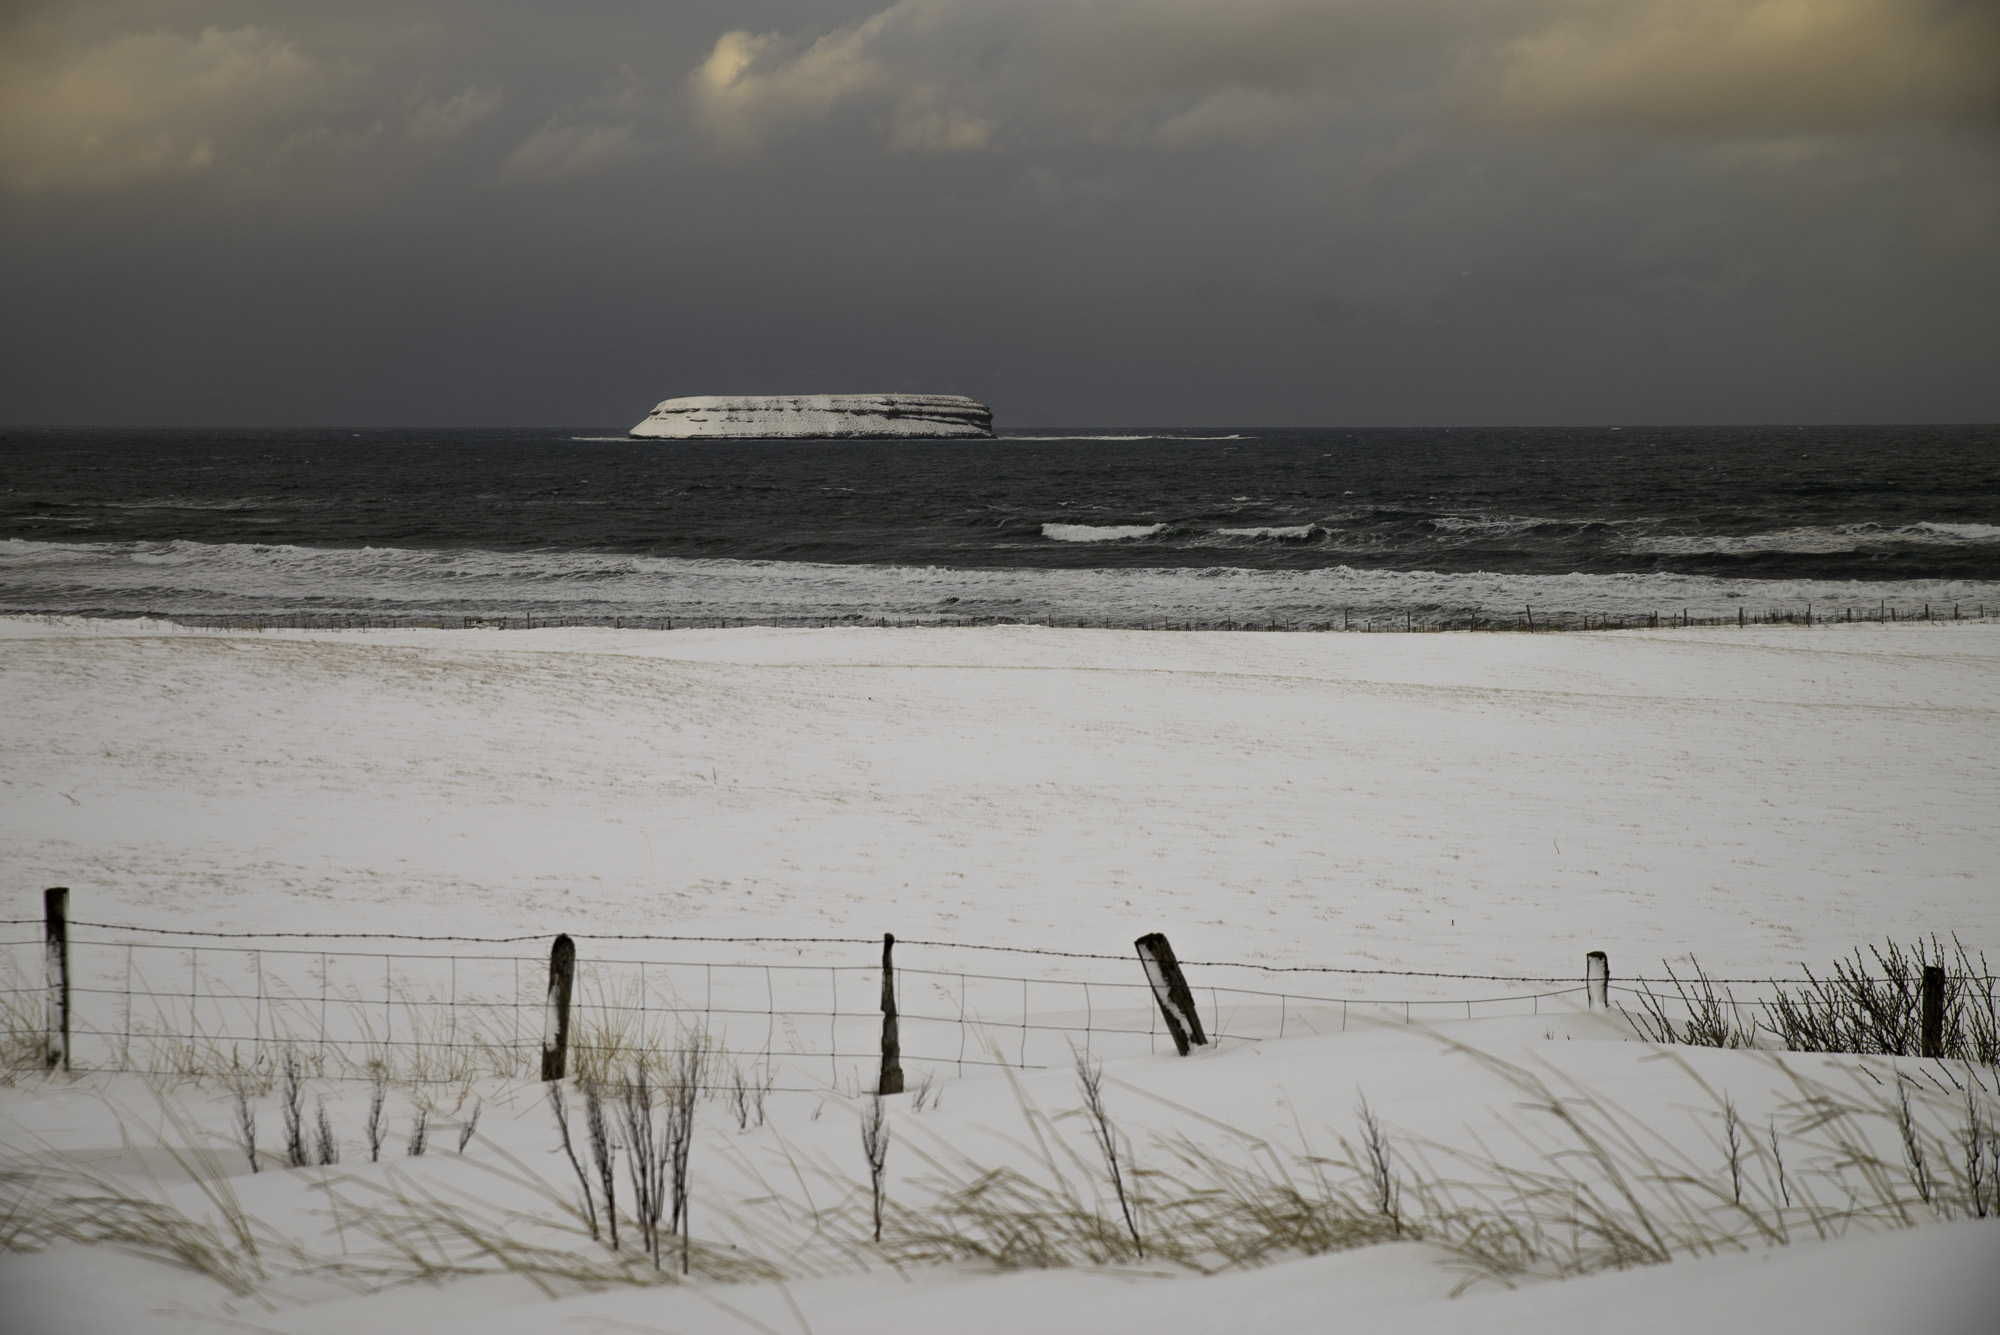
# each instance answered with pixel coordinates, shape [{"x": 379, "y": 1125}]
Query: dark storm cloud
[{"x": 1271, "y": 211}]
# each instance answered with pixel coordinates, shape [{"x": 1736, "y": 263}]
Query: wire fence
[
  {"x": 1369, "y": 619},
  {"x": 169, "y": 1002},
  {"x": 204, "y": 1004}
]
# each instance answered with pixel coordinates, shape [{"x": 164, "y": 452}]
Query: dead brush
[
  {"x": 1577, "y": 1184},
  {"x": 22, "y": 1039},
  {"x": 609, "y": 1036},
  {"x": 1090, "y": 1083},
  {"x": 420, "y": 1232},
  {"x": 1879, "y": 1011},
  {"x": 1714, "y": 1020},
  {"x": 690, "y": 1065},
  {"x": 746, "y": 1093},
  {"x": 1589, "y": 1185}
]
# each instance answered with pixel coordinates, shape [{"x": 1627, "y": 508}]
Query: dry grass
[
  {"x": 47, "y": 1198},
  {"x": 1565, "y": 1182},
  {"x": 1589, "y": 1185}
]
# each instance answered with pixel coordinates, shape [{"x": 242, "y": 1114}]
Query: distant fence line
[
  {"x": 1368, "y": 621},
  {"x": 206, "y": 1003}
]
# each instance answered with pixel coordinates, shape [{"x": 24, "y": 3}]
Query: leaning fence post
[
  {"x": 55, "y": 914},
  {"x": 555, "y": 1019},
  {"x": 892, "y": 1046},
  {"x": 1933, "y": 1011},
  {"x": 1597, "y": 978},
  {"x": 1163, "y": 972}
]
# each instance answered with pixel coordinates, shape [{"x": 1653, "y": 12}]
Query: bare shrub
[
  {"x": 1915, "y": 1162},
  {"x": 377, "y": 1125},
  {"x": 1980, "y": 1146},
  {"x": 645, "y": 1160},
  {"x": 1859, "y": 1010},
  {"x": 561, "y": 1110},
  {"x": 1714, "y": 1020},
  {"x": 1733, "y": 1137},
  {"x": 875, "y": 1145},
  {"x": 603, "y": 1152},
  {"x": 689, "y": 1064},
  {"x": 1090, "y": 1080},
  {"x": 1383, "y": 1188},
  {"x": 739, "y": 1098},
  {"x": 420, "y": 1133},
  {"x": 294, "y": 1112},
  {"x": 326, "y": 1148},
  {"x": 246, "y": 1124}
]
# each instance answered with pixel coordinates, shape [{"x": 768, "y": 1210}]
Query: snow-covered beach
[
  {"x": 1760, "y": 797},
  {"x": 1489, "y": 804}
]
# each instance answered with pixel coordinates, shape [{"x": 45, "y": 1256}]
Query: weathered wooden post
[
  {"x": 1597, "y": 980},
  {"x": 1163, "y": 972},
  {"x": 555, "y": 1018},
  {"x": 1933, "y": 1011},
  {"x": 892, "y": 1044},
  {"x": 55, "y": 914}
]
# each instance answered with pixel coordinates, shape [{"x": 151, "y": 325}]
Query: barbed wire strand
[{"x": 912, "y": 942}]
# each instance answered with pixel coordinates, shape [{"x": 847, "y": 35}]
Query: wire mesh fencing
[{"x": 461, "y": 1010}]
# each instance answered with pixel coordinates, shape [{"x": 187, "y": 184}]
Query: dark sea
[{"x": 1102, "y": 527}]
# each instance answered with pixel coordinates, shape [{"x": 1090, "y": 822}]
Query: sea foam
[
  {"x": 1101, "y": 532},
  {"x": 190, "y": 579}
]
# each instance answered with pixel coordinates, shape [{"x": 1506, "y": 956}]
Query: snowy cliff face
[{"x": 817, "y": 416}]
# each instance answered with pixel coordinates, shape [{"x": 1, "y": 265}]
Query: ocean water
[{"x": 1112, "y": 527}]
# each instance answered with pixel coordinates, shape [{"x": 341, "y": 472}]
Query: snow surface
[
  {"x": 1483, "y": 803},
  {"x": 817, "y": 416}
]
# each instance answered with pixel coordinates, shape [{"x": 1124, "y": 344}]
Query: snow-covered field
[{"x": 1491, "y": 804}]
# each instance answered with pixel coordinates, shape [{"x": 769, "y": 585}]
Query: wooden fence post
[
  {"x": 1163, "y": 972},
  {"x": 1597, "y": 978},
  {"x": 1933, "y": 1011},
  {"x": 555, "y": 1018},
  {"x": 892, "y": 1045},
  {"x": 55, "y": 915}
]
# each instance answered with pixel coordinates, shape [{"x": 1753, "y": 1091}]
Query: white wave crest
[
  {"x": 1493, "y": 524},
  {"x": 189, "y": 579},
  {"x": 1100, "y": 532},
  {"x": 1276, "y": 532},
  {"x": 1817, "y": 541},
  {"x": 1961, "y": 532}
]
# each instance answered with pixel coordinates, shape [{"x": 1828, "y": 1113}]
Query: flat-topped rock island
[{"x": 817, "y": 417}]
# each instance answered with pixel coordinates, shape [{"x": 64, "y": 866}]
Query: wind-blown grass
[{"x": 1563, "y": 1182}]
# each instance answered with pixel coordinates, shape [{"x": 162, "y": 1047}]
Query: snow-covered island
[{"x": 817, "y": 417}]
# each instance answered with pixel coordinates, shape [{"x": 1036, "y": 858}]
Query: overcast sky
[{"x": 1265, "y": 212}]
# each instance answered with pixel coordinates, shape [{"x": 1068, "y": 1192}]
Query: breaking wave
[
  {"x": 1814, "y": 541},
  {"x": 1101, "y": 532},
  {"x": 191, "y": 579},
  {"x": 1274, "y": 532}
]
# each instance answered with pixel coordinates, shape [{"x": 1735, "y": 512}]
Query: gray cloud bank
[{"x": 1270, "y": 211}]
